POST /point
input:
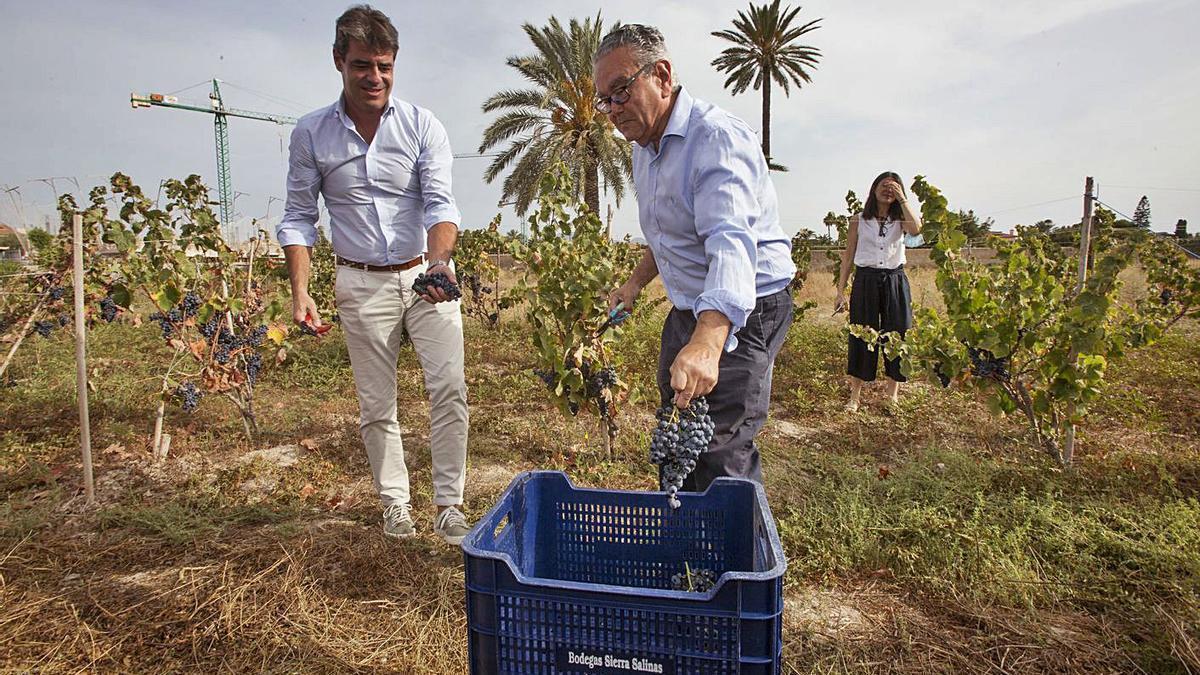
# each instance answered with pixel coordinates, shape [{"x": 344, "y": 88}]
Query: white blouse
[{"x": 885, "y": 252}]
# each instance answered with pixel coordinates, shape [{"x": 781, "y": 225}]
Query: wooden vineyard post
[
  {"x": 1085, "y": 240},
  {"x": 81, "y": 375}
]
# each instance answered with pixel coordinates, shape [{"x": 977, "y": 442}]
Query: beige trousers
[{"x": 376, "y": 309}]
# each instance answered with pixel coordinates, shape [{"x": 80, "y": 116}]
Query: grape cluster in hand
[
  {"x": 439, "y": 280},
  {"x": 189, "y": 396},
  {"x": 678, "y": 440},
  {"x": 694, "y": 580}
]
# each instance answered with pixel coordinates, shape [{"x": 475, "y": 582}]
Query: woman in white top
[{"x": 880, "y": 297}]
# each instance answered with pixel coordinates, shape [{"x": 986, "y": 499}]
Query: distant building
[{"x": 14, "y": 245}]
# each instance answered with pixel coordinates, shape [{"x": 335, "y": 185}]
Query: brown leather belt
[{"x": 398, "y": 267}]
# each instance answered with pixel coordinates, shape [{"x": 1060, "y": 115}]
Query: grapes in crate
[
  {"x": 694, "y": 580},
  {"x": 678, "y": 439}
]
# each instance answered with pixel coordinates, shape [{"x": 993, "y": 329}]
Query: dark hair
[
  {"x": 367, "y": 25},
  {"x": 647, "y": 43},
  {"x": 871, "y": 207}
]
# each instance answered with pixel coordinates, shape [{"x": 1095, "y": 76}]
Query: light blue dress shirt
[
  {"x": 708, "y": 210},
  {"x": 382, "y": 197}
]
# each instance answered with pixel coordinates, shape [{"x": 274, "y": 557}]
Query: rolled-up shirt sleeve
[
  {"x": 725, "y": 204},
  {"x": 299, "y": 224},
  {"x": 435, "y": 164}
]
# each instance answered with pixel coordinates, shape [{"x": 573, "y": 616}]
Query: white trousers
[{"x": 375, "y": 309}]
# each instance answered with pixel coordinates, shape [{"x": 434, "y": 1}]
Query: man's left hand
[
  {"x": 694, "y": 372},
  {"x": 436, "y": 295}
]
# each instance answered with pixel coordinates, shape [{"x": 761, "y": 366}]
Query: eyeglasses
[{"x": 620, "y": 95}]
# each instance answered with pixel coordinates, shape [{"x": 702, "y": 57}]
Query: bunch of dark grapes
[
  {"x": 471, "y": 281},
  {"x": 694, "y": 580},
  {"x": 43, "y": 328},
  {"x": 209, "y": 329},
  {"x": 189, "y": 396},
  {"x": 1166, "y": 296},
  {"x": 984, "y": 364},
  {"x": 547, "y": 376},
  {"x": 677, "y": 441},
  {"x": 253, "y": 366},
  {"x": 254, "y": 337},
  {"x": 190, "y": 305},
  {"x": 603, "y": 379},
  {"x": 55, "y": 293},
  {"x": 307, "y": 328},
  {"x": 941, "y": 376},
  {"x": 108, "y": 309},
  {"x": 439, "y": 280},
  {"x": 227, "y": 344},
  {"x": 64, "y": 319},
  {"x": 165, "y": 323}
]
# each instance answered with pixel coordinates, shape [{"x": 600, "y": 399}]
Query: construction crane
[{"x": 221, "y": 125}]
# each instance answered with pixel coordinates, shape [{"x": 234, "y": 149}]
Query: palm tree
[
  {"x": 764, "y": 52},
  {"x": 555, "y": 119}
]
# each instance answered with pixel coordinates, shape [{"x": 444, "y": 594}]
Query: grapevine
[
  {"x": 570, "y": 265},
  {"x": 176, "y": 260},
  {"x": 477, "y": 257}
]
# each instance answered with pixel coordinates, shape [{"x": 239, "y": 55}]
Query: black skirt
[{"x": 881, "y": 299}]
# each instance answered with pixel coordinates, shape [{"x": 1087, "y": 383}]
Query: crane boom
[{"x": 221, "y": 131}]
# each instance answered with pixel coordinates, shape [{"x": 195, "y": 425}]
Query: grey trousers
[
  {"x": 376, "y": 309},
  {"x": 738, "y": 405}
]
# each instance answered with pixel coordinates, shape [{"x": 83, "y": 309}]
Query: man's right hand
[
  {"x": 627, "y": 294},
  {"x": 304, "y": 310}
]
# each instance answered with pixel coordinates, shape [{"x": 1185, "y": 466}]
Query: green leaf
[
  {"x": 120, "y": 295},
  {"x": 167, "y": 297}
]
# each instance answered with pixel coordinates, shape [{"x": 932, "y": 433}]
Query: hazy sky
[{"x": 1002, "y": 105}]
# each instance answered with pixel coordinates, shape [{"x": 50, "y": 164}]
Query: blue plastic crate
[{"x": 565, "y": 580}]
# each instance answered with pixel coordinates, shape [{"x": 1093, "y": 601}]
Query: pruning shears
[
  {"x": 615, "y": 316},
  {"x": 316, "y": 330}
]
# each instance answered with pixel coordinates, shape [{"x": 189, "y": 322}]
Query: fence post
[
  {"x": 81, "y": 374},
  {"x": 1085, "y": 241}
]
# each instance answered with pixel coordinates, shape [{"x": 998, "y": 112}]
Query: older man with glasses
[
  {"x": 383, "y": 167},
  {"x": 708, "y": 210}
]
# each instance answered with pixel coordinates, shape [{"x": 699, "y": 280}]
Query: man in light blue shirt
[
  {"x": 383, "y": 167},
  {"x": 708, "y": 211}
]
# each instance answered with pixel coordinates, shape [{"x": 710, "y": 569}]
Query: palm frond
[{"x": 554, "y": 118}]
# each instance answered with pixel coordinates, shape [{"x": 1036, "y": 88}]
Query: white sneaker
[
  {"x": 397, "y": 522},
  {"x": 452, "y": 526}
]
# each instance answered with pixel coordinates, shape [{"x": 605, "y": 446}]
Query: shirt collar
[
  {"x": 681, "y": 115},
  {"x": 339, "y": 111}
]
